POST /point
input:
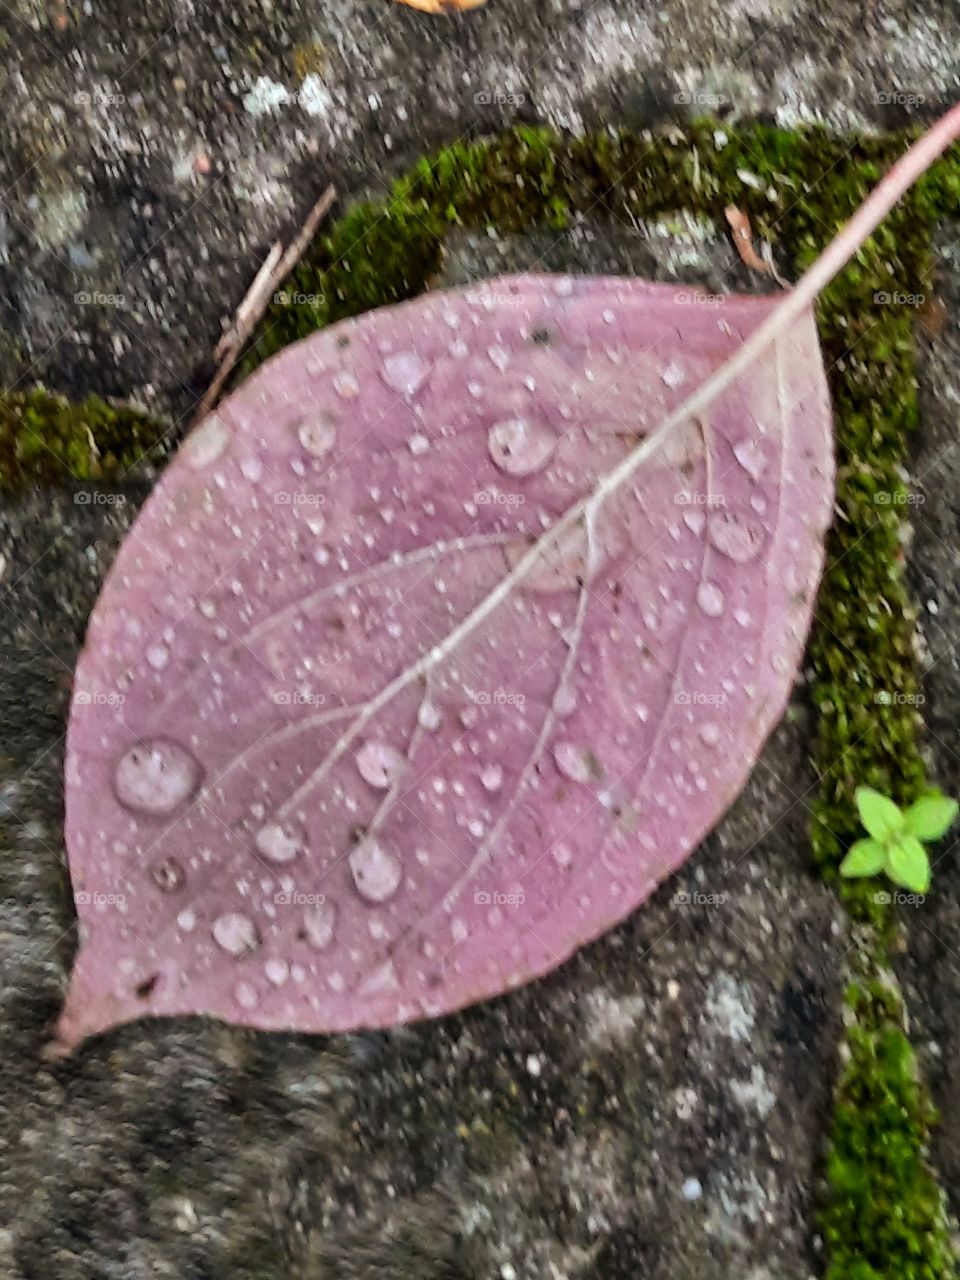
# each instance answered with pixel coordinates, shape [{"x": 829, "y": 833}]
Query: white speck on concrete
[
  {"x": 730, "y": 1007},
  {"x": 754, "y": 1092},
  {"x": 266, "y": 97}
]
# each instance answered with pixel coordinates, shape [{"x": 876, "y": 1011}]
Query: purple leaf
[{"x": 349, "y": 745}]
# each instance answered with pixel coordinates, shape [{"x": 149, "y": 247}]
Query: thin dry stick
[{"x": 275, "y": 268}]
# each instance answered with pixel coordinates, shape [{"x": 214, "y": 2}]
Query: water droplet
[
  {"x": 405, "y": 372},
  {"x": 695, "y": 520},
  {"x": 469, "y": 716},
  {"x": 345, "y": 384},
  {"x": 235, "y": 933},
  {"x": 281, "y": 841},
  {"x": 428, "y": 716},
  {"x": 741, "y": 617},
  {"x": 245, "y": 995},
  {"x": 379, "y": 764},
  {"x": 492, "y": 777},
  {"x": 734, "y": 537},
  {"x": 499, "y": 357},
  {"x": 376, "y": 871},
  {"x": 168, "y": 874},
  {"x": 317, "y": 435},
  {"x": 318, "y": 924},
  {"x": 520, "y": 447},
  {"x": 418, "y": 444},
  {"x": 251, "y": 469},
  {"x": 383, "y": 978},
  {"x": 710, "y": 733},
  {"x": 206, "y": 443},
  {"x": 673, "y": 374},
  {"x": 562, "y": 856},
  {"x": 277, "y": 971},
  {"x": 158, "y": 655},
  {"x": 156, "y": 777},
  {"x": 576, "y": 763},
  {"x": 750, "y": 456},
  {"x": 459, "y": 930},
  {"x": 710, "y": 599},
  {"x": 565, "y": 702}
]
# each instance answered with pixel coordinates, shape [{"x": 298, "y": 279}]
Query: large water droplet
[
  {"x": 318, "y": 924},
  {"x": 206, "y": 443},
  {"x": 156, "y": 777},
  {"x": 750, "y": 456},
  {"x": 376, "y": 871},
  {"x": 345, "y": 384},
  {"x": 579, "y": 764},
  {"x": 379, "y": 764},
  {"x": 492, "y": 777},
  {"x": 428, "y": 716},
  {"x": 245, "y": 995},
  {"x": 277, "y": 971},
  {"x": 734, "y": 537},
  {"x": 710, "y": 599},
  {"x": 168, "y": 874},
  {"x": 235, "y": 933},
  {"x": 520, "y": 447},
  {"x": 710, "y": 733},
  {"x": 405, "y": 372},
  {"x": 281, "y": 841},
  {"x": 317, "y": 435}
]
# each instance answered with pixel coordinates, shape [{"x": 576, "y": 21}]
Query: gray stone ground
[{"x": 653, "y": 1108}]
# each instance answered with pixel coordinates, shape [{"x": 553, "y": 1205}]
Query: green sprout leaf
[
  {"x": 865, "y": 858},
  {"x": 931, "y": 816},
  {"x": 879, "y": 814},
  {"x": 908, "y": 864}
]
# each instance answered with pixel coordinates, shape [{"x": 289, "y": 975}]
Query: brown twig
[{"x": 275, "y": 268}]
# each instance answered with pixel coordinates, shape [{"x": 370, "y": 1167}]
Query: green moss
[
  {"x": 886, "y": 1219},
  {"x": 45, "y": 438}
]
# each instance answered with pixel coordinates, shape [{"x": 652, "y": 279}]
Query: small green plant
[{"x": 895, "y": 841}]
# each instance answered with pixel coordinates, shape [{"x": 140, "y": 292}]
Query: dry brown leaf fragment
[
  {"x": 441, "y": 6},
  {"x": 742, "y": 235}
]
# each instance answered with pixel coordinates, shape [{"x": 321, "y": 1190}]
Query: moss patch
[{"x": 45, "y": 439}]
